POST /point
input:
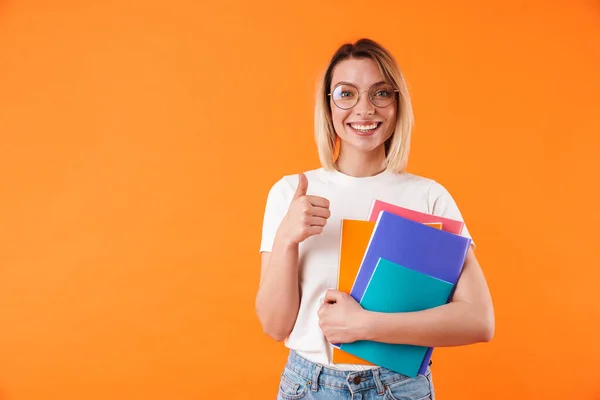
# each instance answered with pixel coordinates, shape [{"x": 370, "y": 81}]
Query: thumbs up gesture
[{"x": 306, "y": 216}]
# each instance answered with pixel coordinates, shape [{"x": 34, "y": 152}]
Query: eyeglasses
[{"x": 346, "y": 96}]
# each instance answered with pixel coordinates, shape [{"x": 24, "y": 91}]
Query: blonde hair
[{"x": 398, "y": 145}]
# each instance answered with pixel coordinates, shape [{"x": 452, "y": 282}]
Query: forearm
[
  {"x": 453, "y": 324},
  {"x": 278, "y": 297}
]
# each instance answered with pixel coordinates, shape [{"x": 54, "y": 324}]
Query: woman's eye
[
  {"x": 382, "y": 93},
  {"x": 347, "y": 94}
]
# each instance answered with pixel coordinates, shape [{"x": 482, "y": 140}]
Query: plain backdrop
[{"x": 139, "y": 139}]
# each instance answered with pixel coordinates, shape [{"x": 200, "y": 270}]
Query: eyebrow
[{"x": 350, "y": 83}]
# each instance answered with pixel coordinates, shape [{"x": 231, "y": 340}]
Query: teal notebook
[{"x": 394, "y": 288}]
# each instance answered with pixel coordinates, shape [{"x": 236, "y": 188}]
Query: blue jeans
[{"x": 303, "y": 379}]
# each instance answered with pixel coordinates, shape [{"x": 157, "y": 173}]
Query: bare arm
[
  {"x": 278, "y": 296},
  {"x": 468, "y": 318}
]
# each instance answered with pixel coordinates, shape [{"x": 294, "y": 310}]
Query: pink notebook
[{"x": 448, "y": 225}]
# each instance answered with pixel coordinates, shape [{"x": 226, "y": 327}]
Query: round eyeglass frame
[{"x": 359, "y": 93}]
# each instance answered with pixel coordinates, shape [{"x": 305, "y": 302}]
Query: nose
[{"x": 364, "y": 105}]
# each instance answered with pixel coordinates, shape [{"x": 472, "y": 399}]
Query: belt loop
[
  {"x": 315, "y": 378},
  {"x": 378, "y": 383}
]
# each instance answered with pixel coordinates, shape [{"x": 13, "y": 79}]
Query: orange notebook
[{"x": 354, "y": 239}]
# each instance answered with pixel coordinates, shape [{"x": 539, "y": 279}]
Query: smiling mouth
[{"x": 365, "y": 129}]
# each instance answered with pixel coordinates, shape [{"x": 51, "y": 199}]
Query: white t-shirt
[{"x": 350, "y": 198}]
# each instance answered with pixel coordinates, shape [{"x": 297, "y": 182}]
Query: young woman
[{"x": 363, "y": 122}]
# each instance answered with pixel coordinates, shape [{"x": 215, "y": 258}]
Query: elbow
[
  {"x": 275, "y": 335},
  {"x": 271, "y": 328},
  {"x": 274, "y": 332},
  {"x": 487, "y": 327},
  {"x": 487, "y": 333}
]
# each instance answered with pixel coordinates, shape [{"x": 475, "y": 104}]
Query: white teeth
[{"x": 364, "y": 127}]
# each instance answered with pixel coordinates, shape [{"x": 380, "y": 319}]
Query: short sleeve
[
  {"x": 275, "y": 210},
  {"x": 442, "y": 204}
]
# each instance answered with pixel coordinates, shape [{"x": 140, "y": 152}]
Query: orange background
[{"x": 138, "y": 141}]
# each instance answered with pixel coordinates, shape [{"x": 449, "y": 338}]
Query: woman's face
[{"x": 363, "y": 127}]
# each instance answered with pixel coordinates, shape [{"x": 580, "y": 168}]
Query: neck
[{"x": 360, "y": 164}]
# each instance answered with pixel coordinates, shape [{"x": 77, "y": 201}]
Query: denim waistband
[{"x": 355, "y": 381}]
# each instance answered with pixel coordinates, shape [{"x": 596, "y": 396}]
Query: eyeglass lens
[{"x": 346, "y": 96}]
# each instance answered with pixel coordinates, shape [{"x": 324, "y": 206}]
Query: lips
[{"x": 364, "y": 128}]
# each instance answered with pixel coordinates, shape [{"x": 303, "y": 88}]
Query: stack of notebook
[{"x": 400, "y": 260}]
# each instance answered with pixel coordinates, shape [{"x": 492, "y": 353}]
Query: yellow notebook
[{"x": 354, "y": 239}]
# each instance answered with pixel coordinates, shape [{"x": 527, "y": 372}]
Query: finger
[
  {"x": 314, "y": 230},
  {"x": 321, "y": 311},
  {"x": 317, "y": 221},
  {"x": 302, "y": 186},
  {"x": 321, "y": 325},
  {"x": 320, "y": 212},
  {"x": 318, "y": 201},
  {"x": 333, "y": 296}
]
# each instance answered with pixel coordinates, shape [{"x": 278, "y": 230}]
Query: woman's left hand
[{"x": 341, "y": 318}]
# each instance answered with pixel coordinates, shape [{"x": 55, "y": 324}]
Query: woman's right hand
[{"x": 306, "y": 216}]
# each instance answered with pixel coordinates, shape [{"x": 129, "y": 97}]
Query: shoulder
[
  {"x": 435, "y": 193},
  {"x": 439, "y": 199},
  {"x": 422, "y": 181},
  {"x": 418, "y": 182}
]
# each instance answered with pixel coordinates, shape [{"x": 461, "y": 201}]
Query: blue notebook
[
  {"x": 414, "y": 245},
  {"x": 394, "y": 288}
]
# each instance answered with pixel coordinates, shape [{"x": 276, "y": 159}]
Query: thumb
[
  {"x": 302, "y": 186},
  {"x": 333, "y": 296}
]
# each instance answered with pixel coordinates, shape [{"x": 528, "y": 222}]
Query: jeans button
[{"x": 356, "y": 380}]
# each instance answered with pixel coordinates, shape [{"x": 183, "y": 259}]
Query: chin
[
  {"x": 364, "y": 143},
  {"x": 365, "y": 146}
]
